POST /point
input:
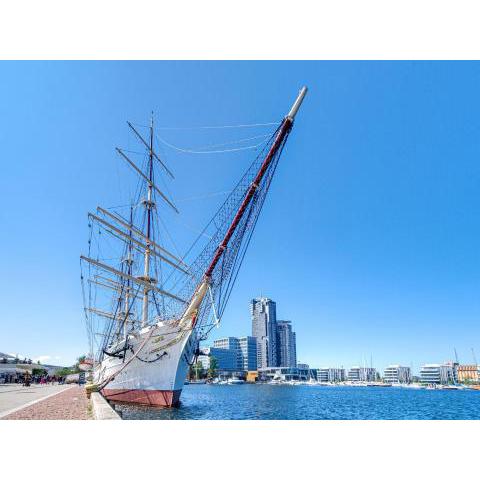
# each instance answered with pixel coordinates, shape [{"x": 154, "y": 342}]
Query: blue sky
[{"x": 368, "y": 240}]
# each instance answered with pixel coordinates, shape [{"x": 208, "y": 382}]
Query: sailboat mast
[{"x": 148, "y": 206}]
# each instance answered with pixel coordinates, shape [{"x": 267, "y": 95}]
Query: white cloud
[
  {"x": 21, "y": 357},
  {"x": 42, "y": 358}
]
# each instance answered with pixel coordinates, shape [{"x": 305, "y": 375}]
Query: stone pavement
[
  {"x": 14, "y": 395},
  {"x": 63, "y": 402}
]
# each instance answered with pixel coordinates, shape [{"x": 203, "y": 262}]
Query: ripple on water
[{"x": 285, "y": 402}]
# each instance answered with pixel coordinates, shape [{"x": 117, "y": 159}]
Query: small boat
[{"x": 235, "y": 381}]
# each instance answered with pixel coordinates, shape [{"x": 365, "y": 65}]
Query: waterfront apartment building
[
  {"x": 468, "y": 373},
  {"x": 397, "y": 374},
  {"x": 362, "y": 374},
  {"x": 286, "y": 344},
  {"x": 331, "y": 375},
  {"x": 438, "y": 373},
  {"x": 283, "y": 373},
  {"x": 245, "y": 349},
  {"x": 264, "y": 328}
]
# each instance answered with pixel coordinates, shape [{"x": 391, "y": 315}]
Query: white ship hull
[{"x": 156, "y": 374}]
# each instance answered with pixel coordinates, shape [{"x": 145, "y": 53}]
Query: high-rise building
[
  {"x": 244, "y": 348},
  {"x": 264, "y": 329},
  {"x": 397, "y": 374},
  {"x": 286, "y": 344}
]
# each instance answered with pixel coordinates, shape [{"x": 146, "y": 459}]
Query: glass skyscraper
[
  {"x": 286, "y": 344},
  {"x": 264, "y": 329}
]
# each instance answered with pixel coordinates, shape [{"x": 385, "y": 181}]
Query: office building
[
  {"x": 230, "y": 343},
  {"x": 362, "y": 374},
  {"x": 286, "y": 344},
  {"x": 264, "y": 329},
  {"x": 226, "y": 358},
  {"x": 244, "y": 348},
  {"x": 248, "y": 353},
  {"x": 397, "y": 374}
]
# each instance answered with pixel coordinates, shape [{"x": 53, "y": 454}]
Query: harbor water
[{"x": 286, "y": 402}]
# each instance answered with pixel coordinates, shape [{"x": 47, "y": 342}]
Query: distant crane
[
  {"x": 474, "y": 357},
  {"x": 456, "y": 356}
]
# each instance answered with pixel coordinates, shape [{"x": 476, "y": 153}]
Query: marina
[{"x": 303, "y": 402}]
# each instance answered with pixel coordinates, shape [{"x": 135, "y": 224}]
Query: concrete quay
[{"x": 102, "y": 409}]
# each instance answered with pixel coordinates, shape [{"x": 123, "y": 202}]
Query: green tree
[
  {"x": 198, "y": 370},
  {"x": 39, "y": 371},
  {"x": 63, "y": 372},
  {"x": 75, "y": 367},
  {"x": 212, "y": 369}
]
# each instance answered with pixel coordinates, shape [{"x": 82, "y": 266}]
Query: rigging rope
[
  {"x": 244, "y": 125},
  {"x": 207, "y": 195},
  {"x": 186, "y": 150}
]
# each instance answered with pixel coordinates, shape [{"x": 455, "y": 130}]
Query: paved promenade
[{"x": 43, "y": 402}]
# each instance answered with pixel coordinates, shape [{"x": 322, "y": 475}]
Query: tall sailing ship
[{"x": 146, "y": 315}]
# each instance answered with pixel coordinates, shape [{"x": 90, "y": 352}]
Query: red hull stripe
[{"x": 153, "y": 398}]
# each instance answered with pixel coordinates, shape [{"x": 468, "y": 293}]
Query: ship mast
[
  {"x": 149, "y": 205},
  {"x": 282, "y": 133},
  {"x": 129, "y": 262}
]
